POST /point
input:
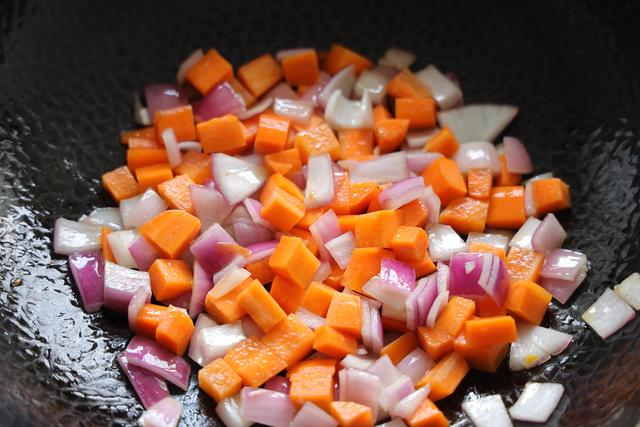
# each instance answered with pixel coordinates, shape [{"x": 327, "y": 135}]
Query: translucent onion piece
[
  {"x": 106, "y": 216},
  {"x": 629, "y": 290},
  {"x": 119, "y": 241},
  {"x": 477, "y": 155},
  {"x": 443, "y": 242},
  {"x": 537, "y": 402},
  {"x": 444, "y": 91},
  {"x": 397, "y": 58},
  {"x": 481, "y": 122},
  {"x": 343, "y": 113},
  {"x": 149, "y": 388},
  {"x": 187, "y": 64},
  {"x": 522, "y": 239},
  {"x": 71, "y": 236},
  {"x": 319, "y": 190},
  {"x": 236, "y": 178},
  {"x": 373, "y": 83},
  {"x": 165, "y": 413},
  {"x": 343, "y": 81},
  {"x": 608, "y": 314},
  {"x": 487, "y": 411}
]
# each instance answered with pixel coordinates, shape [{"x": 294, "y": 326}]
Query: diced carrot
[
  {"x": 355, "y": 143},
  {"x": 340, "y": 57},
  {"x": 550, "y": 195},
  {"x": 226, "y": 309},
  {"x": 414, "y": 214},
  {"x": 180, "y": 119},
  {"x": 406, "y": 85},
  {"x": 480, "y": 247},
  {"x": 218, "y": 380},
  {"x": 176, "y": 192},
  {"x": 282, "y": 209},
  {"x": 317, "y": 298},
  {"x": 480, "y": 182},
  {"x": 170, "y": 278},
  {"x": 301, "y": 68},
  {"x": 528, "y": 301},
  {"x": 380, "y": 112},
  {"x": 389, "y": 324},
  {"x": 272, "y": 133},
  {"x": 312, "y": 386},
  {"x": 287, "y": 294},
  {"x": 291, "y": 340},
  {"x": 294, "y": 261},
  {"x": 306, "y": 237},
  {"x": 345, "y": 314},
  {"x": 170, "y": 232},
  {"x": 148, "y": 133},
  {"x": 317, "y": 140},
  {"x": 390, "y": 133},
  {"x": 351, "y": 414},
  {"x": 423, "y": 267},
  {"x": 484, "y": 358},
  {"x": 140, "y": 157},
  {"x": 374, "y": 204},
  {"x": 148, "y": 319},
  {"x": 334, "y": 279},
  {"x": 250, "y": 129},
  {"x": 278, "y": 180},
  {"x": 506, "y": 208},
  {"x": 409, "y": 243},
  {"x": 139, "y": 143},
  {"x": 377, "y": 229},
  {"x": 443, "y": 142},
  {"x": 120, "y": 184},
  {"x": 209, "y": 71},
  {"x": 261, "y": 307},
  {"x": 400, "y": 347},
  {"x": 490, "y": 331},
  {"x": 444, "y": 176},
  {"x": 310, "y": 216},
  {"x": 342, "y": 194},
  {"x": 457, "y": 311},
  {"x": 313, "y": 366},
  {"x": 242, "y": 91},
  {"x": 174, "y": 331},
  {"x": 421, "y": 112},
  {"x": 487, "y": 307},
  {"x": 524, "y": 264},
  {"x": 333, "y": 342},
  {"x": 364, "y": 264},
  {"x": 445, "y": 377},
  {"x": 428, "y": 415},
  {"x": 360, "y": 196},
  {"x": 284, "y": 162},
  {"x": 347, "y": 223},
  {"x": 107, "y": 254},
  {"x": 260, "y": 270},
  {"x": 260, "y": 74},
  {"x": 196, "y": 166},
  {"x": 221, "y": 135},
  {"x": 465, "y": 215},
  {"x": 152, "y": 176},
  {"x": 506, "y": 178},
  {"x": 254, "y": 362},
  {"x": 435, "y": 342}
]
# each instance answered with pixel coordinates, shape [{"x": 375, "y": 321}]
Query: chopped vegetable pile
[{"x": 307, "y": 212}]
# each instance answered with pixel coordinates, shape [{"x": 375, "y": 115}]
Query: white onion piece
[
  {"x": 629, "y": 290},
  {"x": 384, "y": 369},
  {"x": 195, "y": 346},
  {"x": 442, "y": 277},
  {"x": 415, "y": 364},
  {"x": 141, "y": 297},
  {"x": 237, "y": 178},
  {"x": 229, "y": 282},
  {"x": 342, "y": 81},
  {"x": 258, "y": 108},
  {"x": 431, "y": 201},
  {"x": 537, "y": 402},
  {"x": 266, "y": 407},
  {"x": 312, "y": 415},
  {"x": 343, "y": 113},
  {"x": 281, "y": 90},
  {"x": 120, "y": 285},
  {"x": 322, "y": 272},
  {"x": 373, "y": 83},
  {"x": 313, "y": 92},
  {"x": 165, "y": 413},
  {"x": 141, "y": 209},
  {"x": 563, "y": 264},
  {"x": 518, "y": 160},
  {"x": 299, "y": 111},
  {"x": 140, "y": 113},
  {"x": 360, "y": 387},
  {"x": 215, "y": 341},
  {"x": 391, "y": 167},
  {"x": 190, "y": 146},
  {"x": 397, "y": 58},
  {"x": 436, "y": 309},
  {"x": 444, "y": 91},
  {"x": 401, "y": 193},
  {"x": 549, "y": 235},
  {"x": 394, "y": 312},
  {"x": 324, "y": 229},
  {"x": 171, "y": 146},
  {"x": 357, "y": 362},
  {"x": 71, "y": 236},
  {"x": 186, "y": 65},
  {"x": 410, "y": 404},
  {"x": 530, "y": 208},
  {"x": 552, "y": 341},
  {"x": 477, "y": 155},
  {"x": 341, "y": 248},
  {"x": 497, "y": 240},
  {"x": 608, "y": 314},
  {"x": 211, "y": 207},
  {"x": 395, "y": 392},
  {"x": 522, "y": 239},
  {"x": 487, "y": 411},
  {"x": 319, "y": 190},
  {"x": 418, "y": 160},
  {"x": 525, "y": 355},
  {"x": 119, "y": 242},
  {"x": 310, "y": 319},
  {"x": 105, "y": 216},
  {"x": 229, "y": 412},
  {"x": 480, "y": 122},
  {"x": 418, "y": 138},
  {"x": 443, "y": 242}
]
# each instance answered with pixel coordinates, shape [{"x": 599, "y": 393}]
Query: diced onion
[
  {"x": 629, "y": 290},
  {"x": 522, "y": 239},
  {"x": 186, "y": 65},
  {"x": 487, "y": 411},
  {"x": 537, "y": 402},
  {"x": 608, "y": 314},
  {"x": 88, "y": 273},
  {"x": 149, "y": 388},
  {"x": 171, "y": 146},
  {"x": 410, "y": 403},
  {"x": 343, "y": 81},
  {"x": 163, "y": 97},
  {"x": 319, "y": 190},
  {"x": 121, "y": 284},
  {"x": 237, "y": 178},
  {"x": 477, "y": 155},
  {"x": 298, "y": 111},
  {"x": 106, "y": 216},
  {"x": 343, "y": 113},
  {"x": 165, "y": 413},
  {"x": 443, "y": 242},
  {"x": 266, "y": 407},
  {"x": 119, "y": 242},
  {"x": 397, "y": 58},
  {"x": 481, "y": 122},
  {"x": 549, "y": 235},
  {"x": 517, "y": 157},
  {"x": 445, "y": 92},
  {"x": 391, "y": 167},
  {"x": 372, "y": 82},
  {"x": 147, "y": 354},
  {"x": 71, "y": 236},
  {"x": 341, "y": 248},
  {"x": 312, "y": 415}
]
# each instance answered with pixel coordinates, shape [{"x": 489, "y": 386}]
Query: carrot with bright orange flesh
[
  {"x": 242, "y": 91},
  {"x": 291, "y": 340},
  {"x": 435, "y": 342},
  {"x": 445, "y": 377},
  {"x": 306, "y": 237},
  {"x": 226, "y": 309},
  {"x": 261, "y": 307},
  {"x": 312, "y": 385},
  {"x": 140, "y": 157},
  {"x": 374, "y": 204},
  {"x": 334, "y": 279},
  {"x": 140, "y": 143},
  {"x": 254, "y": 362},
  {"x": 170, "y": 232},
  {"x": 409, "y": 243},
  {"x": 481, "y": 247},
  {"x": 287, "y": 160},
  {"x": 250, "y": 129},
  {"x": 506, "y": 207},
  {"x": 313, "y": 366},
  {"x": 444, "y": 176},
  {"x": 310, "y": 216},
  {"x": 176, "y": 192},
  {"x": 487, "y": 307},
  {"x": 174, "y": 331},
  {"x": 345, "y": 314},
  {"x": 364, "y": 264},
  {"x": 457, "y": 311},
  {"x": 414, "y": 214},
  {"x": 279, "y": 181},
  {"x": 287, "y": 294},
  {"x": 406, "y": 85},
  {"x": 152, "y": 176},
  {"x": 355, "y": 143},
  {"x": 480, "y": 182},
  {"x": 342, "y": 195},
  {"x": 380, "y": 113},
  {"x": 301, "y": 68},
  {"x": 195, "y": 165},
  {"x": 148, "y": 319},
  {"x": 333, "y": 342},
  {"x": 180, "y": 119},
  {"x": 443, "y": 142},
  {"x": 272, "y": 133},
  {"x": 351, "y": 414},
  {"x": 377, "y": 229},
  {"x": 282, "y": 209},
  {"x": 120, "y": 184},
  {"x": 490, "y": 331},
  {"x": 107, "y": 254},
  {"x": 293, "y": 261},
  {"x": 421, "y": 112},
  {"x": 315, "y": 141},
  {"x": 347, "y": 223},
  {"x": 390, "y": 134},
  {"x": 218, "y": 380},
  {"x": 465, "y": 215},
  {"x": 260, "y": 270},
  {"x": 506, "y": 178},
  {"x": 524, "y": 264},
  {"x": 317, "y": 298},
  {"x": 427, "y": 415},
  {"x": 360, "y": 195},
  {"x": 528, "y": 301},
  {"x": 209, "y": 71},
  {"x": 221, "y": 135},
  {"x": 423, "y": 267},
  {"x": 550, "y": 195},
  {"x": 260, "y": 74},
  {"x": 170, "y": 278},
  {"x": 148, "y": 133},
  {"x": 340, "y": 57},
  {"x": 400, "y": 347},
  {"x": 395, "y": 325}
]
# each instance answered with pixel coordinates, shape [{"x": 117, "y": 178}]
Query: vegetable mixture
[{"x": 294, "y": 229}]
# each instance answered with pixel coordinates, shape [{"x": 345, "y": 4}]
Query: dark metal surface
[{"x": 67, "y": 71}]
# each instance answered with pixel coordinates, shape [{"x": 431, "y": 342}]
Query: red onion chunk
[
  {"x": 221, "y": 100},
  {"x": 147, "y": 354},
  {"x": 487, "y": 411},
  {"x": 121, "y": 284},
  {"x": 322, "y": 272},
  {"x": 324, "y": 229},
  {"x": 465, "y": 270},
  {"x": 343, "y": 81},
  {"x": 119, "y": 242},
  {"x": 237, "y": 178},
  {"x": 310, "y": 319},
  {"x": 70, "y": 237},
  {"x": 420, "y": 301},
  {"x": 522, "y": 239},
  {"x": 445, "y": 92},
  {"x": 266, "y": 407},
  {"x": 419, "y": 160},
  {"x": 372, "y": 82},
  {"x": 436, "y": 309},
  {"x": 431, "y": 201},
  {"x": 251, "y": 328},
  {"x": 481, "y": 122},
  {"x": 357, "y": 362},
  {"x": 261, "y": 250},
  {"x": 163, "y": 97},
  {"x": 165, "y": 413},
  {"x": 397, "y": 58},
  {"x": 537, "y": 402},
  {"x": 171, "y": 146},
  {"x": 344, "y": 113},
  {"x": 518, "y": 160},
  {"x": 141, "y": 297},
  {"x": 495, "y": 282},
  {"x": 361, "y": 387},
  {"x": 249, "y": 233},
  {"x": 143, "y": 208},
  {"x": 278, "y": 383},
  {"x": 341, "y": 248},
  {"x": 384, "y": 369},
  {"x": 629, "y": 290},
  {"x": 377, "y": 332},
  {"x": 319, "y": 190},
  {"x": 443, "y": 242},
  {"x": 395, "y": 392},
  {"x": 143, "y": 253},
  {"x": 393, "y": 284},
  {"x": 365, "y": 328},
  {"x": 549, "y": 235},
  {"x": 207, "y": 251},
  {"x": 391, "y": 312},
  {"x": 312, "y": 415},
  {"x": 391, "y": 167},
  {"x": 563, "y": 264},
  {"x": 106, "y": 216},
  {"x": 88, "y": 271},
  {"x": 401, "y": 193},
  {"x": 608, "y": 314},
  {"x": 229, "y": 411},
  {"x": 408, "y": 406},
  {"x": 202, "y": 284},
  {"x": 186, "y": 65},
  {"x": 415, "y": 365},
  {"x": 477, "y": 155},
  {"x": 149, "y": 388},
  {"x": 190, "y": 146},
  {"x": 254, "y": 207},
  {"x": 298, "y": 111}
]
